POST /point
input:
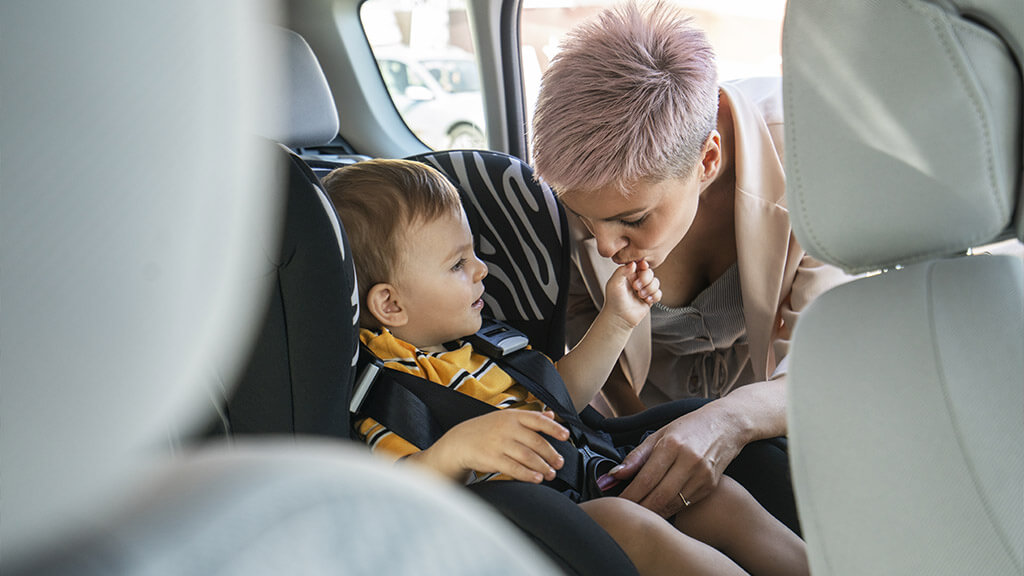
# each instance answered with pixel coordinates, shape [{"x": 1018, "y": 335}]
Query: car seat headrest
[
  {"x": 903, "y": 128},
  {"x": 311, "y": 117}
]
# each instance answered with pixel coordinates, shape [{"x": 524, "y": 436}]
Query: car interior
[{"x": 178, "y": 313}]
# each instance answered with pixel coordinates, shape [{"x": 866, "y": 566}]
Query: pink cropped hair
[{"x": 631, "y": 96}]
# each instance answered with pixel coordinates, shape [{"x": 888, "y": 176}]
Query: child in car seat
[{"x": 420, "y": 287}]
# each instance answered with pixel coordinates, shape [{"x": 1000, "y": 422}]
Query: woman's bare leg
[
  {"x": 654, "y": 545},
  {"x": 731, "y": 520}
]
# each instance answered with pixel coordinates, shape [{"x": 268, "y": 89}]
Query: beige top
[
  {"x": 778, "y": 278},
  {"x": 700, "y": 350}
]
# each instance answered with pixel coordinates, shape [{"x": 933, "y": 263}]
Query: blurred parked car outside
[{"x": 437, "y": 93}]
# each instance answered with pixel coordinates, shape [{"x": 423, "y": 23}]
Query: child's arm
[
  {"x": 629, "y": 294},
  {"x": 506, "y": 441}
]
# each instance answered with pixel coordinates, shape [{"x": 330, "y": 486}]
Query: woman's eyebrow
[{"x": 619, "y": 216}]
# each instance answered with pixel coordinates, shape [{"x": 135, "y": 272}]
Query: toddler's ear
[{"x": 382, "y": 302}]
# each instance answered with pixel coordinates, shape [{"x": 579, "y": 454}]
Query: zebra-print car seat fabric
[{"x": 521, "y": 233}]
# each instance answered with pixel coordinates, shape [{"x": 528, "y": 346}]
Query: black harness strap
[
  {"x": 421, "y": 411},
  {"x": 416, "y": 409},
  {"x": 536, "y": 373}
]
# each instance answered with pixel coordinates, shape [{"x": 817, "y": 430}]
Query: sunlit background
[{"x": 426, "y": 54}]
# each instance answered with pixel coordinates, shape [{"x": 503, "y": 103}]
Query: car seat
[
  {"x": 906, "y": 387},
  {"x": 297, "y": 378},
  {"x": 126, "y": 270}
]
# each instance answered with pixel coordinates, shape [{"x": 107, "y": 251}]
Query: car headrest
[
  {"x": 311, "y": 117},
  {"x": 903, "y": 128}
]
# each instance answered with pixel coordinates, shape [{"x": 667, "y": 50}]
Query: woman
[{"x": 655, "y": 161}]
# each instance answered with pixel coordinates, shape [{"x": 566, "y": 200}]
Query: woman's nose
[{"x": 608, "y": 243}]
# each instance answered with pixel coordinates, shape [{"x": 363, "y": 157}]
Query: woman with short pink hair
[{"x": 657, "y": 161}]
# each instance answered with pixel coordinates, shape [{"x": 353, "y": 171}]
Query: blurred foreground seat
[{"x": 130, "y": 267}]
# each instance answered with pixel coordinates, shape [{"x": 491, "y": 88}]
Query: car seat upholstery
[
  {"x": 906, "y": 387},
  {"x": 121, "y": 286},
  {"x": 298, "y": 375},
  {"x": 521, "y": 234}
]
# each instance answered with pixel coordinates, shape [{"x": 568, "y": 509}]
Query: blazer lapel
[{"x": 762, "y": 226}]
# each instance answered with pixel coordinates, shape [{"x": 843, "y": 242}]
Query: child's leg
[
  {"x": 731, "y": 520},
  {"x": 653, "y": 544}
]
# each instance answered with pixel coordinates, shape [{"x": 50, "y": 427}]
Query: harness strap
[
  {"x": 536, "y": 373},
  {"x": 415, "y": 408},
  {"x": 421, "y": 411}
]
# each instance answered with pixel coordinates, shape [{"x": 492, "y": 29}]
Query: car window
[
  {"x": 426, "y": 58},
  {"x": 455, "y": 75}
]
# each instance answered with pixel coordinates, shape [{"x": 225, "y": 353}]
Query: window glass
[{"x": 426, "y": 58}]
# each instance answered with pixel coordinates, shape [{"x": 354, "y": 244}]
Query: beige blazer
[{"x": 778, "y": 279}]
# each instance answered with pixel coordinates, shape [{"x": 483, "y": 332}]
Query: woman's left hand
[{"x": 682, "y": 462}]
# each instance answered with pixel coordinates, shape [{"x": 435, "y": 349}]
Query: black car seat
[
  {"x": 904, "y": 141},
  {"x": 298, "y": 376},
  {"x": 126, "y": 269}
]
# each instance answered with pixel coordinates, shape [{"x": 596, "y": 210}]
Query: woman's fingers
[
  {"x": 652, "y": 469},
  {"x": 672, "y": 471}
]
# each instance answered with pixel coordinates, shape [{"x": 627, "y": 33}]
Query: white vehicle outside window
[{"x": 425, "y": 54}]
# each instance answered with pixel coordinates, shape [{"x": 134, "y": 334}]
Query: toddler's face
[{"x": 441, "y": 282}]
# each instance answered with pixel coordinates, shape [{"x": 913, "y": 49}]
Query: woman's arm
[{"x": 812, "y": 278}]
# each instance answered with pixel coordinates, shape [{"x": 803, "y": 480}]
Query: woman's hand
[
  {"x": 684, "y": 459},
  {"x": 506, "y": 441}
]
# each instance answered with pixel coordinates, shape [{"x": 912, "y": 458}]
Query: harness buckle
[
  {"x": 364, "y": 382},
  {"x": 496, "y": 339}
]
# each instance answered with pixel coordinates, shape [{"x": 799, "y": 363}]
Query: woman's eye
[{"x": 634, "y": 223}]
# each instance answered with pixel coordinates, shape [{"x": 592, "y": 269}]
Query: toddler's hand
[
  {"x": 632, "y": 290},
  {"x": 646, "y": 287},
  {"x": 507, "y": 441}
]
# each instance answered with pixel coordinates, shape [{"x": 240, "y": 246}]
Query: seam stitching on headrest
[{"x": 973, "y": 97}]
